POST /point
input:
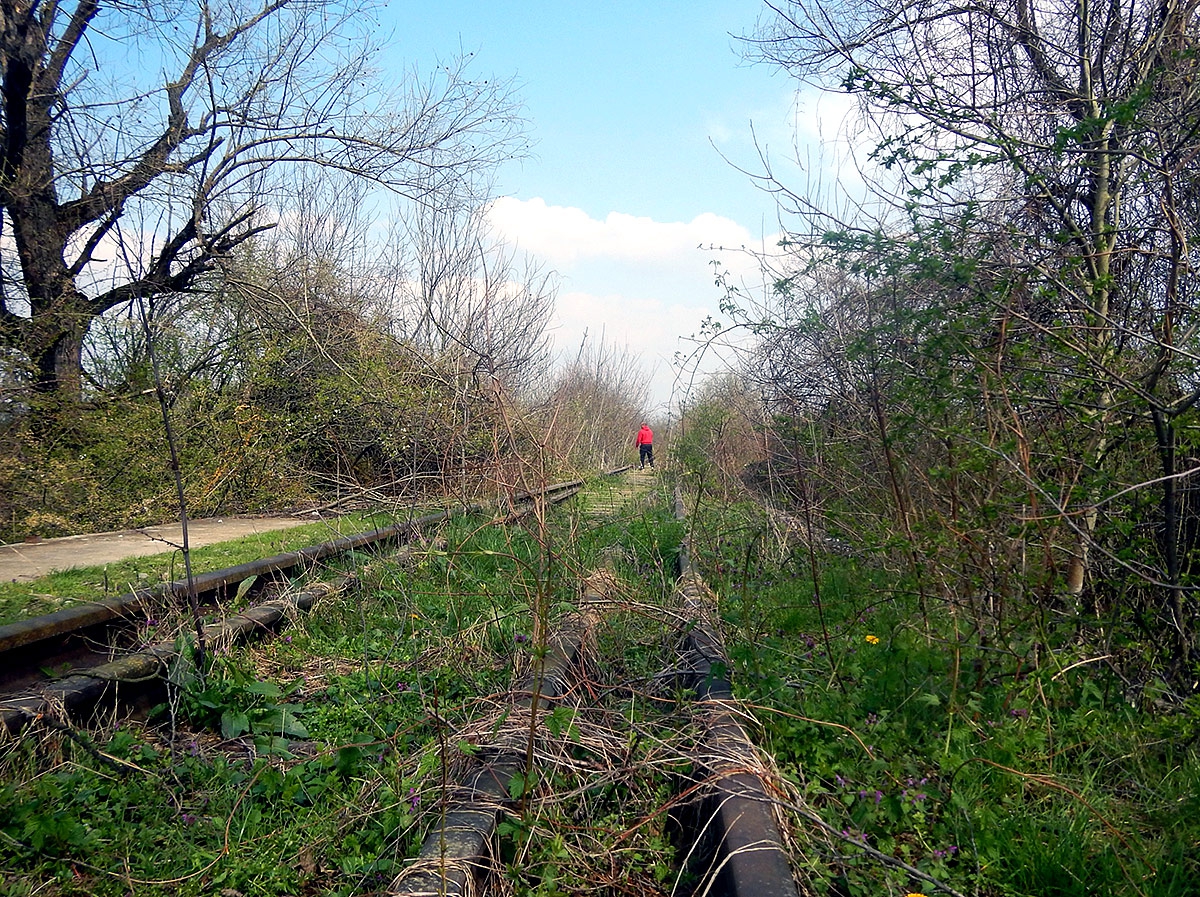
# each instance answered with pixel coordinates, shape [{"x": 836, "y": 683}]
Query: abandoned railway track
[
  {"x": 563, "y": 723},
  {"x": 725, "y": 816},
  {"x": 100, "y": 641}
]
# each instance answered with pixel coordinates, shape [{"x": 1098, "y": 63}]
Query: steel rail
[
  {"x": 735, "y": 819},
  {"x": 80, "y": 693},
  {"x": 129, "y": 677},
  {"x": 217, "y": 583}
]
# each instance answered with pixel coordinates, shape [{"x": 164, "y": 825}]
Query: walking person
[{"x": 645, "y": 444}]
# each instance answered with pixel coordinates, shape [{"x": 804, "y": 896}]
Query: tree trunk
[
  {"x": 54, "y": 339},
  {"x": 67, "y": 372}
]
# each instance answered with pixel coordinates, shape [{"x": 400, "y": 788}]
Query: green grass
[
  {"x": 21, "y": 600},
  {"x": 983, "y": 769},
  {"x": 315, "y": 763}
]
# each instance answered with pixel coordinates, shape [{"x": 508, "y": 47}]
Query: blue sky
[
  {"x": 630, "y": 107},
  {"x": 622, "y": 97}
]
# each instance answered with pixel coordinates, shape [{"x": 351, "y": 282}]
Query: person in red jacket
[{"x": 645, "y": 444}]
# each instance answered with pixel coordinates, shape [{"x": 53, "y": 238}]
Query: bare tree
[
  {"x": 1044, "y": 153},
  {"x": 462, "y": 296},
  {"x": 170, "y": 128},
  {"x": 594, "y": 405}
]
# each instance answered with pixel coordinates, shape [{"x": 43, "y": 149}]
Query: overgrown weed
[
  {"x": 994, "y": 762},
  {"x": 298, "y": 765},
  {"x": 316, "y": 762}
]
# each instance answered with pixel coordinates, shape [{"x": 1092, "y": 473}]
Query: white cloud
[
  {"x": 631, "y": 281},
  {"x": 562, "y": 235},
  {"x": 814, "y": 141}
]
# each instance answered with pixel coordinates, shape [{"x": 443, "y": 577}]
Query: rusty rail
[
  {"x": 130, "y": 676},
  {"x": 735, "y": 819}
]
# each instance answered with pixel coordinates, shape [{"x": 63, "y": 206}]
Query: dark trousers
[{"x": 646, "y": 454}]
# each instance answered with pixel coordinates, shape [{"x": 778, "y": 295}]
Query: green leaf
[
  {"x": 273, "y": 744},
  {"x": 560, "y": 719},
  {"x": 348, "y": 760},
  {"x": 265, "y": 689},
  {"x": 518, "y": 785},
  {"x": 234, "y": 723},
  {"x": 120, "y": 743},
  {"x": 280, "y": 721},
  {"x": 893, "y": 807}
]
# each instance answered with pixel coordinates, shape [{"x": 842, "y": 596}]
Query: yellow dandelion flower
[
  {"x": 914, "y": 894},
  {"x": 872, "y": 640}
]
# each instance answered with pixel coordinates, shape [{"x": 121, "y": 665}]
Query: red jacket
[{"x": 645, "y": 436}]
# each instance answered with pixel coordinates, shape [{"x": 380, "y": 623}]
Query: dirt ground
[{"x": 23, "y": 561}]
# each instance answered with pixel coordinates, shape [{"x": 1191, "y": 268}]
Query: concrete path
[{"x": 23, "y": 561}]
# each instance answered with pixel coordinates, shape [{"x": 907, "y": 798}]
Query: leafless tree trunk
[{"x": 95, "y": 154}]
